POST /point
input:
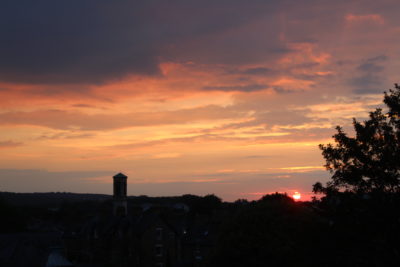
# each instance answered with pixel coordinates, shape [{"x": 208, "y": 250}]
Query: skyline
[{"x": 220, "y": 97}]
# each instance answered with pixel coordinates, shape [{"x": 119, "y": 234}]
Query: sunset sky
[{"x": 227, "y": 97}]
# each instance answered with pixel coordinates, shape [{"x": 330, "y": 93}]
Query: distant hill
[
  {"x": 55, "y": 199},
  {"x": 51, "y": 199}
]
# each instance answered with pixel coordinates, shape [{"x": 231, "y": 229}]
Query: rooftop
[{"x": 120, "y": 175}]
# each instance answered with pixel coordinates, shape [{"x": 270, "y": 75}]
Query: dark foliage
[
  {"x": 274, "y": 231},
  {"x": 370, "y": 161},
  {"x": 12, "y": 220},
  {"x": 361, "y": 201}
]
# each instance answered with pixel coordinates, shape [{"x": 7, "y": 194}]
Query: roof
[{"x": 120, "y": 175}]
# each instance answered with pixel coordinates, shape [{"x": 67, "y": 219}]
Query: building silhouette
[
  {"x": 161, "y": 232},
  {"x": 120, "y": 207}
]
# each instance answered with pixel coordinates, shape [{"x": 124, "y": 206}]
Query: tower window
[
  {"x": 159, "y": 250},
  {"x": 159, "y": 233}
]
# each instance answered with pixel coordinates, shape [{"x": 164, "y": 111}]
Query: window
[
  {"x": 159, "y": 233},
  {"x": 159, "y": 250}
]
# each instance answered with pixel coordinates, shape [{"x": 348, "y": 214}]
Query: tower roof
[{"x": 120, "y": 175}]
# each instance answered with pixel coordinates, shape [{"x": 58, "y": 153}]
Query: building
[
  {"x": 120, "y": 206},
  {"x": 159, "y": 234}
]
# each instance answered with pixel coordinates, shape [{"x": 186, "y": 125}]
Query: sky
[{"x": 186, "y": 97}]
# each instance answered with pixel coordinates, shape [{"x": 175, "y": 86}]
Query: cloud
[
  {"x": 375, "y": 18},
  {"x": 371, "y": 64},
  {"x": 167, "y": 155},
  {"x": 45, "y": 45},
  {"x": 273, "y": 118},
  {"x": 202, "y": 138},
  {"x": 257, "y": 71},
  {"x": 241, "y": 88},
  {"x": 257, "y": 157},
  {"x": 65, "y": 135},
  {"x": 369, "y": 78},
  {"x": 216, "y": 138},
  {"x": 97, "y": 41},
  {"x": 281, "y": 90},
  {"x": 9, "y": 144},
  {"x": 367, "y": 84},
  {"x": 70, "y": 120}
]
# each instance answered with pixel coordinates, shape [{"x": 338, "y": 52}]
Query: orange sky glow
[{"x": 186, "y": 101}]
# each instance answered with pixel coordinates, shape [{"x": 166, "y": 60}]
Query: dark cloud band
[{"x": 95, "y": 41}]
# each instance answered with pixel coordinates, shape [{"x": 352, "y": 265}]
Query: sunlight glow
[{"x": 296, "y": 196}]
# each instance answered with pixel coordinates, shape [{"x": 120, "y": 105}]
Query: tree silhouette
[
  {"x": 273, "y": 231},
  {"x": 370, "y": 161}
]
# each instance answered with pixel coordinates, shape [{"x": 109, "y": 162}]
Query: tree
[
  {"x": 370, "y": 161},
  {"x": 273, "y": 231}
]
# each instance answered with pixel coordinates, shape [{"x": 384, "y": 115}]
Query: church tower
[{"x": 120, "y": 198}]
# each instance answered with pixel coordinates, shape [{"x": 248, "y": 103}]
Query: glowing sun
[{"x": 296, "y": 196}]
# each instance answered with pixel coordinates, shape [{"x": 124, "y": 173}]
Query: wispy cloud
[
  {"x": 375, "y": 18},
  {"x": 61, "y": 119},
  {"x": 9, "y": 144}
]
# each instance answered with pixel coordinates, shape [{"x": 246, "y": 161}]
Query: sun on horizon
[{"x": 296, "y": 196}]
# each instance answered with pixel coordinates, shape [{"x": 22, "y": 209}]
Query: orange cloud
[
  {"x": 376, "y": 18},
  {"x": 9, "y": 144},
  {"x": 60, "y": 119}
]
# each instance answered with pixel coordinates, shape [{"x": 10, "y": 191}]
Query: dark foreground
[{"x": 57, "y": 229}]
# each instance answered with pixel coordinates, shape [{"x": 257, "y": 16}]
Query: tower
[{"x": 120, "y": 198}]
